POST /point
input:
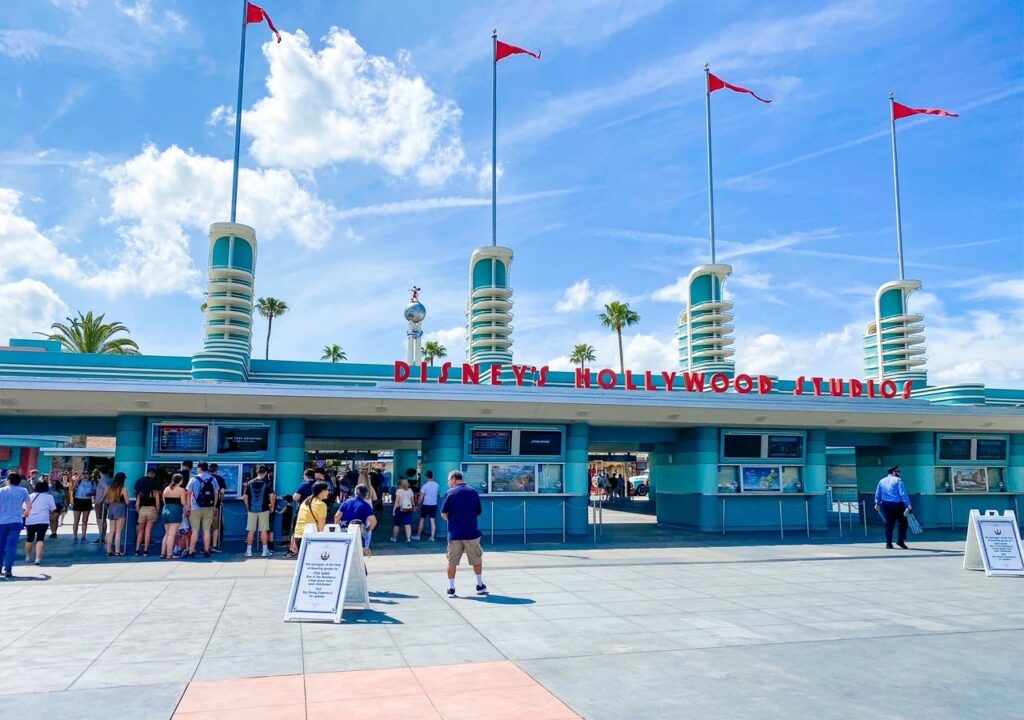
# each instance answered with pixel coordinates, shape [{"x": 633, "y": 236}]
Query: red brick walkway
[{"x": 496, "y": 691}]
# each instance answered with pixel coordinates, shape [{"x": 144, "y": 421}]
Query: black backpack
[{"x": 207, "y": 496}]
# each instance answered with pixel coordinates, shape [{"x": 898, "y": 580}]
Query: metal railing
[{"x": 782, "y": 519}]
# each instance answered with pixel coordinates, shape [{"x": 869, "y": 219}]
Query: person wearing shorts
[
  {"x": 200, "y": 516},
  {"x": 460, "y": 509},
  {"x": 147, "y": 505},
  {"x": 38, "y": 521},
  {"x": 258, "y": 499},
  {"x": 428, "y": 506}
]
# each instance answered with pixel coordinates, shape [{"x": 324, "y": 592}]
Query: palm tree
[
  {"x": 432, "y": 349},
  {"x": 270, "y": 308},
  {"x": 334, "y": 353},
  {"x": 89, "y": 334},
  {"x": 583, "y": 354},
  {"x": 616, "y": 316}
]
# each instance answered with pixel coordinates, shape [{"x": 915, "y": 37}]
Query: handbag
[{"x": 915, "y": 526}]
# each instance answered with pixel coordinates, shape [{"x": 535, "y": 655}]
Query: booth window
[
  {"x": 760, "y": 479},
  {"x": 515, "y": 477},
  {"x": 757, "y": 446},
  {"x": 969, "y": 479},
  {"x": 742, "y": 445},
  {"x": 972, "y": 449}
]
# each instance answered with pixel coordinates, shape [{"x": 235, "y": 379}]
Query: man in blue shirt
[
  {"x": 358, "y": 509},
  {"x": 14, "y": 506},
  {"x": 892, "y": 501},
  {"x": 460, "y": 509}
]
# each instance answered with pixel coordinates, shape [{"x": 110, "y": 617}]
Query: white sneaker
[
  {"x": 248, "y": 552},
  {"x": 393, "y": 539},
  {"x": 266, "y": 553},
  {"x": 416, "y": 537}
]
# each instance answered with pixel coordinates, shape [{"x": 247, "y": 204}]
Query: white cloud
[
  {"x": 1002, "y": 290},
  {"x": 675, "y": 293},
  {"x": 453, "y": 339},
  {"x": 641, "y": 351},
  {"x": 159, "y": 196},
  {"x": 23, "y": 246},
  {"x": 829, "y": 354},
  {"x": 28, "y": 306},
  {"x": 580, "y": 295},
  {"x": 342, "y": 104},
  {"x": 221, "y": 115},
  {"x": 483, "y": 177}
]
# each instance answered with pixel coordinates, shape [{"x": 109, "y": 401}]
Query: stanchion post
[
  {"x": 723, "y": 514},
  {"x": 563, "y": 521},
  {"x": 782, "y": 532},
  {"x": 593, "y": 514},
  {"x": 807, "y": 514},
  {"x": 524, "y": 522},
  {"x": 492, "y": 521},
  {"x": 864, "y": 514},
  {"x": 839, "y": 507},
  {"x": 952, "y": 520}
]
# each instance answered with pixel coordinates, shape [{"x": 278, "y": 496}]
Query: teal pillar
[
  {"x": 291, "y": 455},
  {"x": 815, "y": 477},
  {"x": 130, "y": 455},
  {"x": 404, "y": 460},
  {"x": 684, "y": 476},
  {"x": 442, "y": 451},
  {"x": 577, "y": 447},
  {"x": 1015, "y": 471}
]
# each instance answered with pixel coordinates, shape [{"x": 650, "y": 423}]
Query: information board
[
  {"x": 181, "y": 439},
  {"x": 491, "y": 442},
  {"x": 242, "y": 438},
  {"x": 994, "y": 544},
  {"x": 329, "y": 575},
  {"x": 540, "y": 442}
]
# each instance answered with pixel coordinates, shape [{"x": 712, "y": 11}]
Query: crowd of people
[{"x": 189, "y": 504}]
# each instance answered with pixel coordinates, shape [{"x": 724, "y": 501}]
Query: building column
[
  {"x": 684, "y": 479},
  {"x": 577, "y": 480},
  {"x": 914, "y": 453},
  {"x": 442, "y": 451},
  {"x": 404, "y": 459},
  {"x": 1015, "y": 471},
  {"x": 130, "y": 454},
  {"x": 815, "y": 478},
  {"x": 291, "y": 455}
]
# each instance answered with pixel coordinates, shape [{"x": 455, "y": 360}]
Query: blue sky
[{"x": 366, "y": 151}]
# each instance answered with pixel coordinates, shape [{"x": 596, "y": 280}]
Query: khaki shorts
[
  {"x": 471, "y": 548},
  {"x": 217, "y": 512},
  {"x": 147, "y": 514},
  {"x": 201, "y": 519},
  {"x": 258, "y": 521}
]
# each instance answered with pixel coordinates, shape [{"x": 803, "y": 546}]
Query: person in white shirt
[
  {"x": 428, "y": 505},
  {"x": 405, "y": 502},
  {"x": 37, "y": 523}
]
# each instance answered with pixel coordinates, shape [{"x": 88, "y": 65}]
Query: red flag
[
  {"x": 899, "y": 110},
  {"x": 504, "y": 49},
  {"x": 717, "y": 83},
  {"x": 256, "y": 14}
]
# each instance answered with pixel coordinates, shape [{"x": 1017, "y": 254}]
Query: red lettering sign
[{"x": 608, "y": 379}]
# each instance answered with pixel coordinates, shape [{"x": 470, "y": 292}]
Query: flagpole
[
  {"x": 711, "y": 184},
  {"x": 494, "y": 137},
  {"x": 238, "y": 115},
  {"x": 896, "y": 185}
]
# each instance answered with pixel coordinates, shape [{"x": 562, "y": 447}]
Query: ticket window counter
[
  {"x": 235, "y": 475},
  {"x": 970, "y": 470}
]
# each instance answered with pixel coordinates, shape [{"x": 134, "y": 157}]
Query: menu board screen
[
  {"x": 181, "y": 439},
  {"x": 491, "y": 442},
  {"x": 540, "y": 442},
  {"x": 243, "y": 439}
]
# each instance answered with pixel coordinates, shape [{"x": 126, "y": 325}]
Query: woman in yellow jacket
[{"x": 311, "y": 510}]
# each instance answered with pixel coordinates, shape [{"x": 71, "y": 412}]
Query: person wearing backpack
[
  {"x": 258, "y": 499},
  {"x": 202, "y": 493}
]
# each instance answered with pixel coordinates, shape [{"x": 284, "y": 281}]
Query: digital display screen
[
  {"x": 513, "y": 478},
  {"x": 540, "y": 442},
  {"x": 785, "y": 446},
  {"x": 491, "y": 442},
  {"x": 742, "y": 446},
  {"x": 243, "y": 439},
  {"x": 181, "y": 439},
  {"x": 955, "y": 448},
  {"x": 991, "y": 449}
]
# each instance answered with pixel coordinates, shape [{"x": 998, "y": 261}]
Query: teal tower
[
  {"x": 705, "y": 327},
  {"x": 488, "y": 309},
  {"x": 227, "y": 343},
  {"x": 894, "y": 340}
]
